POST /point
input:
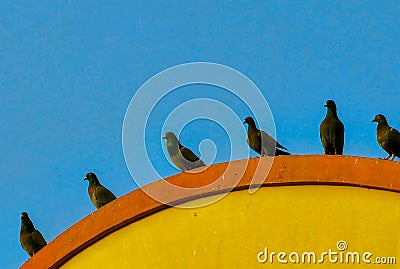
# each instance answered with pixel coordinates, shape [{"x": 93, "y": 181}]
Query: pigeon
[
  {"x": 388, "y": 137},
  {"x": 331, "y": 131},
  {"x": 183, "y": 158},
  {"x": 31, "y": 239},
  {"x": 99, "y": 194},
  {"x": 261, "y": 142}
]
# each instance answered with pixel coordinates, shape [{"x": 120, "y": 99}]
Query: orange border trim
[{"x": 285, "y": 170}]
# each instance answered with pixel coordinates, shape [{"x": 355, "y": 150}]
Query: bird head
[
  {"x": 24, "y": 216},
  {"x": 170, "y": 136},
  {"x": 330, "y": 104},
  {"x": 26, "y": 223},
  {"x": 379, "y": 119},
  {"x": 92, "y": 178},
  {"x": 249, "y": 120}
]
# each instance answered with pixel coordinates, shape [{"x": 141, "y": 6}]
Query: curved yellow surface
[
  {"x": 242, "y": 229},
  {"x": 307, "y": 210}
]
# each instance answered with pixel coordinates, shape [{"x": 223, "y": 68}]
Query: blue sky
[{"x": 69, "y": 70}]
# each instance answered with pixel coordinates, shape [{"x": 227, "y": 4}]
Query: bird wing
[
  {"x": 254, "y": 139},
  {"x": 266, "y": 138},
  {"x": 268, "y": 144},
  {"x": 394, "y": 135},
  {"x": 338, "y": 137},
  {"x": 281, "y": 152},
  {"x": 103, "y": 195},
  {"x": 24, "y": 239},
  {"x": 324, "y": 136},
  {"x": 269, "y": 139},
  {"x": 394, "y": 141},
  {"x": 188, "y": 154},
  {"x": 331, "y": 132},
  {"x": 38, "y": 238},
  {"x": 280, "y": 146}
]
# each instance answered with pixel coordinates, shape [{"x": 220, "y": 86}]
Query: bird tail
[{"x": 281, "y": 152}]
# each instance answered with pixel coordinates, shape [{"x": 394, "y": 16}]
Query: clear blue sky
[{"x": 69, "y": 70}]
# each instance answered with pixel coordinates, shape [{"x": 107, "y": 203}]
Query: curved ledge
[{"x": 285, "y": 170}]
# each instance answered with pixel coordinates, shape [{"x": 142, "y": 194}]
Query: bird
[
  {"x": 183, "y": 158},
  {"x": 331, "y": 131},
  {"x": 99, "y": 195},
  {"x": 388, "y": 137},
  {"x": 31, "y": 239},
  {"x": 261, "y": 142}
]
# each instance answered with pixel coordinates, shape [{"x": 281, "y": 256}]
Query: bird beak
[
  {"x": 373, "y": 120},
  {"x": 244, "y": 122},
  {"x": 164, "y": 137},
  {"x": 85, "y": 179},
  {"x": 325, "y": 105}
]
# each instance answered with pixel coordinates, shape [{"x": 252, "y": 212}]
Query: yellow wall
[{"x": 231, "y": 232}]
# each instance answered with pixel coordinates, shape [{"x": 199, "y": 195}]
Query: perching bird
[
  {"x": 31, "y": 239},
  {"x": 261, "y": 142},
  {"x": 388, "y": 137},
  {"x": 183, "y": 158},
  {"x": 331, "y": 131},
  {"x": 99, "y": 194}
]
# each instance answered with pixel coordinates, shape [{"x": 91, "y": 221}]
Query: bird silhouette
[
  {"x": 331, "y": 131},
  {"x": 388, "y": 137},
  {"x": 31, "y": 239},
  {"x": 261, "y": 142},
  {"x": 183, "y": 158},
  {"x": 99, "y": 195}
]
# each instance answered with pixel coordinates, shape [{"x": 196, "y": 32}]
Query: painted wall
[
  {"x": 307, "y": 203},
  {"x": 242, "y": 230}
]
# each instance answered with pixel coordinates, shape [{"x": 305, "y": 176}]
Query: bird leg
[
  {"x": 387, "y": 158},
  {"x": 393, "y": 157}
]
